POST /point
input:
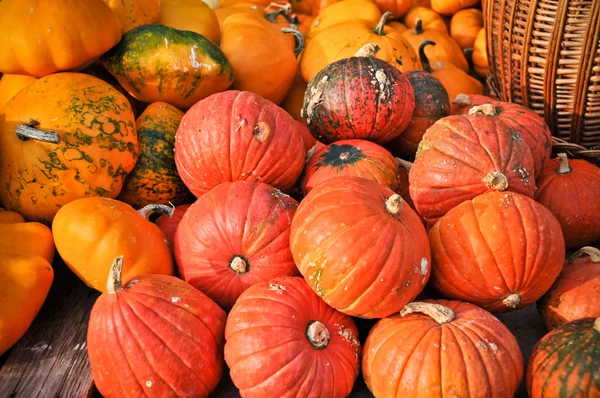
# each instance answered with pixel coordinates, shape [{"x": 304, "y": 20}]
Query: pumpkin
[
  {"x": 431, "y": 104},
  {"x": 134, "y": 13},
  {"x": 309, "y": 140},
  {"x": 250, "y": 8},
  {"x": 429, "y": 19},
  {"x": 26, "y": 274},
  {"x": 190, "y": 15},
  {"x": 156, "y": 63},
  {"x": 213, "y": 4},
  {"x": 399, "y": 26},
  {"x": 500, "y": 250},
  {"x": 263, "y": 61},
  {"x": 303, "y": 22},
  {"x": 451, "y": 7},
  {"x": 396, "y": 7},
  {"x": 155, "y": 336},
  {"x": 294, "y": 98},
  {"x": 446, "y": 49},
  {"x": 360, "y": 97},
  {"x": 233, "y": 3},
  {"x": 571, "y": 191},
  {"x": 233, "y": 237},
  {"x": 465, "y": 25},
  {"x": 345, "y": 11},
  {"x": 283, "y": 341},
  {"x": 352, "y": 158},
  {"x": 90, "y": 232},
  {"x": 531, "y": 127},
  {"x": 41, "y": 38},
  {"x": 237, "y": 135},
  {"x": 421, "y": 3},
  {"x": 344, "y": 40},
  {"x": 576, "y": 292},
  {"x": 480, "y": 59},
  {"x": 79, "y": 141},
  {"x": 10, "y": 85},
  {"x": 461, "y": 157},
  {"x": 442, "y": 348},
  {"x": 564, "y": 363},
  {"x": 310, "y": 7},
  {"x": 168, "y": 224},
  {"x": 154, "y": 179},
  {"x": 337, "y": 237}
]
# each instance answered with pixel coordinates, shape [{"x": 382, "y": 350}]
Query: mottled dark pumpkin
[
  {"x": 351, "y": 158},
  {"x": 360, "y": 97},
  {"x": 431, "y": 104},
  {"x": 155, "y": 180}
]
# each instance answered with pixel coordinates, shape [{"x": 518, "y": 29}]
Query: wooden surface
[{"x": 51, "y": 359}]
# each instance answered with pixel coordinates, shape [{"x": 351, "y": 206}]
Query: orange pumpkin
[
  {"x": 344, "y": 11},
  {"x": 229, "y": 3},
  {"x": 310, "y": 7},
  {"x": 38, "y": 38},
  {"x": 345, "y": 39},
  {"x": 396, "y": 7},
  {"x": 420, "y": 3},
  {"x": 294, "y": 99},
  {"x": 399, "y": 26},
  {"x": 90, "y": 233},
  {"x": 223, "y": 12},
  {"x": 134, "y": 13},
  {"x": 451, "y": 7},
  {"x": 192, "y": 15},
  {"x": 480, "y": 59},
  {"x": 465, "y": 25},
  {"x": 10, "y": 85},
  {"x": 429, "y": 19}
]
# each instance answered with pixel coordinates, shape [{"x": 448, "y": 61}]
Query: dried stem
[{"x": 438, "y": 312}]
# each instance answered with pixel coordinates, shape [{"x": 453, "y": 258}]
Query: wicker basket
[{"x": 545, "y": 54}]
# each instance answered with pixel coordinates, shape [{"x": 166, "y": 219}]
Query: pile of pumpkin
[{"x": 472, "y": 207}]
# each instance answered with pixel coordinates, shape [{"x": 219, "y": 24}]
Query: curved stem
[
  {"x": 369, "y": 50},
  {"x": 438, "y": 312},
  {"x": 384, "y": 19},
  {"x": 318, "y": 335},
  {"x": 149, "y": 210},
  {"x": 592, "y": 252},
  {"x": 424, "y": 60},
  {"x": 418, "y": 27},
  {"x": 404, "y": 163},
  {"x": 298, "y": 39},
  {"x": 30, "y": 131},
  {"x": 394, "y": 203},
  {"x": 512, "y": 300},
  {"x": 563, "y": 167},
  {"x": 115, "y": 281}
]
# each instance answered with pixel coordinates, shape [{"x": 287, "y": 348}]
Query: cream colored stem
[
  {"x": 115, "y": 282},
  {"x": 149, "y": 210},
  {"x": 438, "y": 312}
]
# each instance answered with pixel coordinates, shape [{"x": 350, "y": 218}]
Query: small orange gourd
[
  {"x": 465, "y": 25},
  {"x": 345, "y": 11},
  {"x": 192, "y": 15},
  {"x": 480, "y": 59},
  {"x": 429, "y": 19},
  {"x": 451, "y": 7}
]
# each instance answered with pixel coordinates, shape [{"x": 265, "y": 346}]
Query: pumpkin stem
[
  {"x": 404, "y": 163},
  {"x": 369, "y": 50},
  {"x": 115, "y": 283},
  {"x": 419, "y": 27},
  {"x": 298, "y": 39},
  {"x": 496, "y": 181},
  {"x": 318, "y": 335},
  {"x": 29, "y": 131},
  {"x": 283, "y": 10},
  {"x": 590, "y": 251},
  {"x": 394, "y": 203},
  {"x": 384, "y": 19},
  {"x": 438, "y": 312},
  {"x": 512, "y": 300},
  {"x": 483, "y": 109},
  {"x": 239, "y": 264},
  {"x": 597, "y": 324},
  {"x": 462, "y": 100},
  {"x": 563, "y": 167},
  {"x": 149, "y": 210},
  {"x": 424, "y": 60}
]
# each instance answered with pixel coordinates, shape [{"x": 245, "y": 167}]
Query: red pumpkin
[
  {"x": 352, "y": 158},
  {"x": 360, "y": 247},
  {"x": 441, "y": 348},
  {"x": 237, "y": 135},
  {"x": 571, "y": 191},
  {"x": 156, "y": 336},
  {"x": 309, "y": 140},
  {"x": 500, "y": 251},
  {"x": 361, "y": 97},
  {"x": 233, "y": 237},
  {"x": 431, "y": 104},
  {"x": 283, "y": 341},
  {"x": 564, "y": 363},
  {"x": 530, "y": 126},
  {"x": 576, "y": 292},
  {"x": 169, "y": 224},
  {"x": 461, "y": 157}
]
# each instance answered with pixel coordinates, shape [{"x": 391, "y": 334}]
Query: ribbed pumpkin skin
[
  {"x": 268, "y": 351},
  {"x": 358, "y": 98},
  {"x": 574, "y": 198},
  {"x": 566, "y": 362},
  {"x": 157, "y": 337},
  {"x": 455, "y": 157},
  {"x": 495, "y": 245},
  {"x": 474, "y": 355},
  {"x": 154, "y": 179},
  {"x": 431, "y": 104},
  {"x": 10, "y": 85},
  {"x": 237, "y": 135},
  {"x": 361, "y": 259},
  {"x": 168, "y": 225},
  {"x": 351, "y": 158},
  {"x": 529, "y": 124},
  {"x": 241, "y": 219},
  {"x": 574, "y": 295}
]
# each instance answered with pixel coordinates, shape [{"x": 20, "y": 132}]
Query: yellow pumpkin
[
  {"x": 344, "y": 40},
  {"x": 10, "y": 85},
  {"x": 134, "y": 13},
  {"x": 344, "y": 11},
  {"x": 465, "y": 25},
  {"x": 451, "y": 7},
  {"x": 429, "y": 19},
  {"x": 250, "y": 8},
  {"x": 192, "y": 15},
  {"x": 38, "y": 38},
  {"x": 26, "y": 274},
  {"x": 480, "y": 59}
]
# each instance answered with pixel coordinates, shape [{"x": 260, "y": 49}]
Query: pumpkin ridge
[
  {"x": 476, "y": 349},
  {"x": 377, "y": 114},
  {"x": 347, "y": 105},
  {"x": 282, "y": 368},
  {"x": 427, "y": 336},
  {"x": 523, "y": 281},
  {"x": 493, "y": 159}
]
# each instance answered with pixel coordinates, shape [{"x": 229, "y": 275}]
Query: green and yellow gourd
[
  {"x": 157, "y": 63},
  {"x": 154, "y": 179}
]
